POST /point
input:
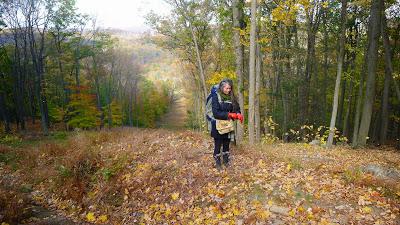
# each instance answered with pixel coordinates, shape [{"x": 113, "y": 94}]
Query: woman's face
[{"x": 226, "y": 89}]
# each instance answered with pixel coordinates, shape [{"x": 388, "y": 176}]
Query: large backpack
[{"x": 209, "y": 113}]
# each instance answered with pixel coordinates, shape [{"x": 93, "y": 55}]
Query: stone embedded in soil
[{"x": 279, "y": 210}]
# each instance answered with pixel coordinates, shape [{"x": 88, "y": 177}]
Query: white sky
[{"x": 123, "y": 14}]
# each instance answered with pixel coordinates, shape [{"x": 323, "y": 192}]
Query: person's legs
[
  {"x": 225, "y": 151},
  {"x": 217, "y": 151}
]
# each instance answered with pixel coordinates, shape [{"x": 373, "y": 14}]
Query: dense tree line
[
  {"x": 58, "y": 67},
  {"x": 304, "y": 69}
]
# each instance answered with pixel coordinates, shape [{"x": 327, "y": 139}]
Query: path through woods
[{"x": 176, "y": 116}]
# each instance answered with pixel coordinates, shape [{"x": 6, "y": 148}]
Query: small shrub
[
  {"x": 64, "y": 172},
  {"x": 352, "y": 175},
  {"x": 107, "y": 173},
  {"x": 11, "y": 140},
  {"x": 60, "y": 135}
]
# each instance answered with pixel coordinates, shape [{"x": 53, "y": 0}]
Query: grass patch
[
  {"x": 352, "y": 175},
  {"x": 9, "y": 158},
  {"x": 11, "y": 140},
  {"x": 59, "y": 135},
  {"x": 26, "y": 188}
]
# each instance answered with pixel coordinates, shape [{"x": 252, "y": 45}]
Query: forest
[
  {"x": 325, "y": 70},
  {"x": 303, "y": 69},
  {"x": 60, "y": 70},
  {"x": 104, "y": 125}
]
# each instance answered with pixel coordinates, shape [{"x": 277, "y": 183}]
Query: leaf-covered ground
[{"x": 134, "y": 176}]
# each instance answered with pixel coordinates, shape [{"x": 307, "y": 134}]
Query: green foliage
[
  {"x": 11, "y": 140},
  {"x": 154, "y": 103},
  {"x": 82, "y": 111},
  {"x": 64, "y": 172},
  {"x": 191, "y": 121},
  {"x": 116, "y": 114},
  {"x": 60, "y": 135}
]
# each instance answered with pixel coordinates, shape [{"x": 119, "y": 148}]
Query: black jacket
[{"x": 220, "y": 112}]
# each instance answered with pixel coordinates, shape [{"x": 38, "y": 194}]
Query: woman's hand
[
  {"x": 232, "y": 116},
  {"x": 239, "y": 117}
]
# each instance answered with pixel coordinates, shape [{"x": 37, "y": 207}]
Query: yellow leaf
[
  {"x": 103, "y": 218},
  {"x": 236, "y": 212},
  {"x": 263, "y": 214},
  {"x": 270, "y": 203},
  {"x": 4, "y": 223},
  {"x": 292, "y": 213},
  {"x": 324, "y": 222},
  {"x": 366, "y": 209},
  {"x": 289, "y": 167},
  {"x": 175, "y": 196},
  {"x": 90, "y": 217},
  {"x": 168, "y": 212}
]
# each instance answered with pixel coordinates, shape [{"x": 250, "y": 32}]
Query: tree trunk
[
  {"x": 97, "y": 86},
  {"x": 339, "y": 73},
  {"x": 257, "y": 93},
  {"x": 252, "y": 72},
  {"x": 239, "y": 54},
  {"x": 359, "y": 101},
  {"x": 348, "y": 110},
  {"x": 342, "y": 97},
  {"x": 3, "y": 107},
  {"x": 354, "y": 40},
  {"x": 199, "y": 61},
  {"x": 305, "y": 95},
  {"x": 373, "y": 40},
  {"x": 326, "y": 66},
  {"x": 386, "y": 87}
]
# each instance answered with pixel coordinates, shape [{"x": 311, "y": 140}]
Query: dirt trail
[{"x": 175, "y": 118}]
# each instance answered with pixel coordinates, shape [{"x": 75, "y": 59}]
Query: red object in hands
[
  {"x": 240, "y": 117},
  {"x": 232, "y": 116}
]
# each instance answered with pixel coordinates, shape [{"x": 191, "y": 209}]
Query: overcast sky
[{"x": 123, "y": 14}]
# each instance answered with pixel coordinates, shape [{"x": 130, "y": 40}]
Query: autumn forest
[{"x": 108, "y": 125}]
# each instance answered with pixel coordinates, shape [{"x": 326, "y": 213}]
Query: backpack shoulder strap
[{"x": 219, "y": 97}]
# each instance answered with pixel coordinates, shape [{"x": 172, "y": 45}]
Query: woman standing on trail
[{"x": 224, "y": 107}]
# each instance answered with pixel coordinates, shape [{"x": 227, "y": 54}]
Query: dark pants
[{"x": 225, "y": 151}]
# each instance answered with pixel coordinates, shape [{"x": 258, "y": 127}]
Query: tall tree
[
  {"x": 313, "y": 18},
  {"x": 388, "y": 78},
  {"x": 252, "y": 71},
  {"x": 238, "y": 25},
  {"x": 340, "y": 59},
  {"x": 373, "y": 41}
]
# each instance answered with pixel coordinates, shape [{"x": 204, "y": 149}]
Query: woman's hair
[{"x": 224, "y": 82}]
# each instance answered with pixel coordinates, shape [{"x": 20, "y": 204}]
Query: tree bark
[
  {"x": 237, "y": 11},
  {"x": 3, "y": 107},
  {"x": 252, "y": 72},
  {"x": 354, "y": 40},
  {"x": 339, "y": 72},
  {"x": 373, "y": 39},
  {"x": 386, "y": 87},
  {"x": 326, "y": 66},
  {"x": 313, "y": 19},
  {"x": 257, "y": 117}
]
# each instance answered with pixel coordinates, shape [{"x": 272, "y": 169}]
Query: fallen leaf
[
  {"x": 175, "y": 196},
  {"x": 103, "y": 218},
  {"x": 90, "y": 217}
]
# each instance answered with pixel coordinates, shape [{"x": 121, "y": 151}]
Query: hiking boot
[
  {"x": 218, "y": 163},
  {"x": 225, "y": 158}
]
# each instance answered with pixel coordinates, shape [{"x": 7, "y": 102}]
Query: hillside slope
[{"x": 155, "y": 176}]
